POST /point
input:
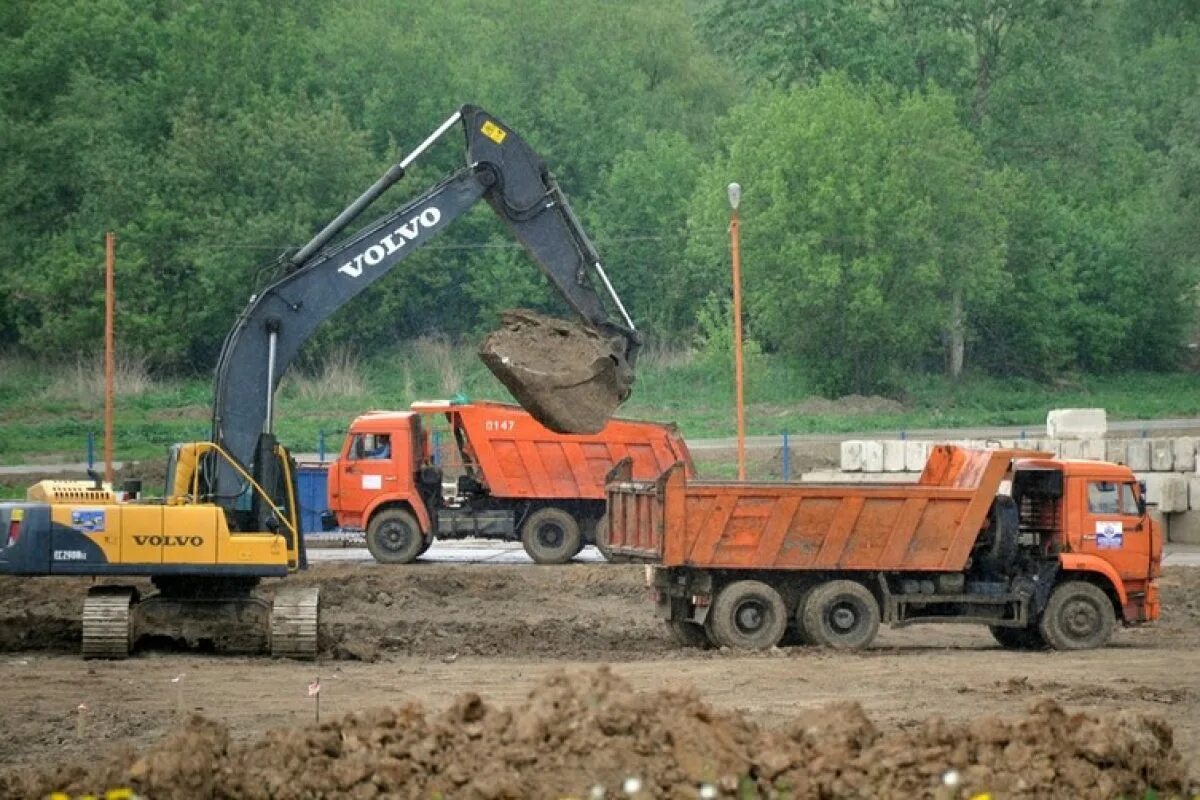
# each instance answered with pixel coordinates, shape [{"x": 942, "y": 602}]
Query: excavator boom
[{"x": 548, "y": 376}]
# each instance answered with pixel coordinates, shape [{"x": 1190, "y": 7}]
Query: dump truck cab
[{"x": 1094, "y": 517}]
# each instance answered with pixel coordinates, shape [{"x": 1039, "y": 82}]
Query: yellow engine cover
[{"x": 52, "y": 491}]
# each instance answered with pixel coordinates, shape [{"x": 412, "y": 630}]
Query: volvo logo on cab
[
  {"x": 392, "y": 242},
  {"x": 169, "y": 541}
]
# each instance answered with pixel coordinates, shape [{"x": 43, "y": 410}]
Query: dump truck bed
[
  {"x": 930, "y": 525},
  {"x": 520, "y": 458}
]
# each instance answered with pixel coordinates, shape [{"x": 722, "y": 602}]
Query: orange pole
[
  {"x": 110, "y": 247},
  {"x": 735, "y": 235}
]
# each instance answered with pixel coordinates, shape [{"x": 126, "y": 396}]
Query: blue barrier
[{"x": 312, "y": 480}]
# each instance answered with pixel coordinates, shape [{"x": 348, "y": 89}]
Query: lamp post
[{"x": 735, "y": 199}]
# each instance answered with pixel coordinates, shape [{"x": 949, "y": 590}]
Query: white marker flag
[{"x": 314, "y": 688}]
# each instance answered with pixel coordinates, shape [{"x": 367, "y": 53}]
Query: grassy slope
[{"x": 46, "y": 413}]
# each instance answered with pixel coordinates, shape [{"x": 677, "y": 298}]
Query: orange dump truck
[
  {"x": 514, "y": 477},
  {"x": 1045, "y": 552}
]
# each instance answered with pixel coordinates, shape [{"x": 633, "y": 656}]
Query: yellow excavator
[{"x": 229, "y": 516}]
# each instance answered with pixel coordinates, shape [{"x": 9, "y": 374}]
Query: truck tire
[
  {"x": 1079, "y": 616},
  {"x": 688, "y": 634},
  {"x": 747, "y": 615},
  {"x": 601, "y": 537},
  {"x": 394, "y": 537},
  {"x": 1018, "y": 638},
  {"x": 551, "y": 536},
  {"x": 840, "y": 614},
  {"x": 1000, "y": 548},
  {"x": 797, "y": 634}
]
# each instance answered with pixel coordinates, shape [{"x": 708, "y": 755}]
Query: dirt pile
[
  {"x": 569, "y": 377},
  {"x": 579, "y": 731}
]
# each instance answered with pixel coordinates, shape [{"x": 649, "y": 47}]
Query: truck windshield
[
  {"x": 1103, "y": 497},
  {"x": 1106, "y": 497}
]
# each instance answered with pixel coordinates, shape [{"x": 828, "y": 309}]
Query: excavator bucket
[{"x": 568, "y": 376}]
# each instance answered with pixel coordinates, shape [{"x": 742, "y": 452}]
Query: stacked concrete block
[
  {"x": 1072, "y": 448},
  {"x": 852, "y": 456},
  {"x": 872, "y": 456},
  {"x": 1162, "y": 455},
  {"x": 1183, "y": 528},
  {"x": 1193, "y": 482},
  {"x": 915, "y": 455},
  {"x": 1185, "y": 454},
  {"x": 1077, "y": 423},
  {"x": 1137, "y": 455},
  {"x": 1115, "y": 451},
  {"x": 893, "y": 455},
  {"x": 1167, "y": 490},
  {"x": 1094, "y": 449}
]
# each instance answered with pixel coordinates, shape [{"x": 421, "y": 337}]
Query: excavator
[{"x": 229, "y": 517}]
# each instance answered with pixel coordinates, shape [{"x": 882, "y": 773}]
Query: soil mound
[
  {"x": 568, "y": 376},
  {"x": 580, "y": 731}
]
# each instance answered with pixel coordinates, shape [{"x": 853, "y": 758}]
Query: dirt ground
[{"x": 431, "y": 632}]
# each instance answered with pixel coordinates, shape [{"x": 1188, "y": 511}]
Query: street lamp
[{"x": 735, "y": 199}]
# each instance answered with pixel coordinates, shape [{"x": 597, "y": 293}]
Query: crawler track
[{"x": 107, "y": 622}]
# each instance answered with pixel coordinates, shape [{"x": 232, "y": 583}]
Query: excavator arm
[{"x": 318, "y": 280}]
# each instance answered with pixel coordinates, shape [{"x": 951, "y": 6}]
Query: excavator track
[
  {"x": 294, "y": 618},
  {"x": 108, "y": 622}
]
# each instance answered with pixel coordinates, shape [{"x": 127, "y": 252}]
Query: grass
[{"x": 47, "y": 411}]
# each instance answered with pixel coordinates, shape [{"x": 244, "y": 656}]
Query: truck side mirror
[{"x": 1142, "y": 498}]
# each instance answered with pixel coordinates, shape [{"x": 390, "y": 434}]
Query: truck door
[
  {"x": 367, "y": 471},
  {"x": 1113, "y": 528}
]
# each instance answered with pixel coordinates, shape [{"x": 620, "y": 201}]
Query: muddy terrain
[{"x": 431, "y": 633}]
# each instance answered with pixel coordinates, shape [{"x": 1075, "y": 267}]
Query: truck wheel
[
  {"x": 840, "y": 614},
  {"x": 797, "y": 634},
  {"x": 747, "y": 615},
  {"x": 551, "y": 536},
  {"x": 428, "y": 543},
  {"x": 1018, "y": 638},
  {"x": 394, "y": 537},
  {"x": 1000, "y": 550},
  {"x": 688, "y": 634},
  {"x": 1079, "y": 616},
  {"x": 601, "y": 537}
]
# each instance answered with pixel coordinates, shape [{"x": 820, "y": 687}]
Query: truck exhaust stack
[{"x": 568, "y": 376}]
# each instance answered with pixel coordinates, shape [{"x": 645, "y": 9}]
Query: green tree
[{"x": 865, "y": 215}]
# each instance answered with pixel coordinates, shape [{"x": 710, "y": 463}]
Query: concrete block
[
  {"x": 1162, "y": 455},
  {"x": 893, "y": 455},
  {"x": 1183, "y": 528},
  {"x": 915, "y": 455},
  {"x": 872, "y": 456},
  {"x": 1137, "y": 454},
  {"x": 852, "y": 456},
  {"x": 1093, "y": 449},
  {"x": 1166, "y": 490},
  {"x": 1114, "y": 451},
  {"x": 1185, "y": 454},
  {"x": 1174, "y": 495},
  {"x": 1072, "y": 448},
  {"x": 1193, "y": 493},
  {"x": 1076, "y": 423}
]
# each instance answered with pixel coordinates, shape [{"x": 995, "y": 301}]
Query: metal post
[
  {"x": 787, "y": 458},
  {"x": 321, "y": 446},
  {"x": 91, "y": 449},
  {"x": 110, "y": 246},
  {"x": 735, "y": 193}
]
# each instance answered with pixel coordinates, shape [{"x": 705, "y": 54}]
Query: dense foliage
[{"x": 1009, "y": 186}]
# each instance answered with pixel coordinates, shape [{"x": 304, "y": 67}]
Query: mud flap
[{"x": 568, "y": 376}]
